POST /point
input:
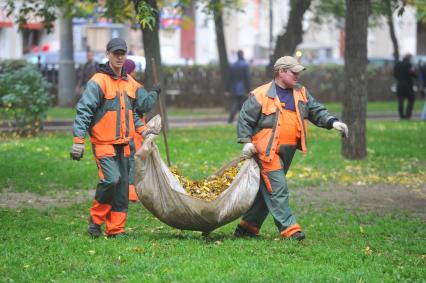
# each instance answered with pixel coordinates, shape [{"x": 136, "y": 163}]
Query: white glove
[
  {"x": 151, "y": 137},
  {"x": 342, "y": 128},
  {"x": 148, "y": 132},
  {"x": 248, "y": 150},
  {"x": 77, "y": 151},
  {"x": 147, "y": 146}
]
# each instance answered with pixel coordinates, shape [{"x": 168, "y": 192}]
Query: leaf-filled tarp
[{"x": 162, "y": 194}]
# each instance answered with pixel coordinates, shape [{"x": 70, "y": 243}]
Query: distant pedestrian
[
  {"x": 404, "y": 74},
  {"x": 422, "y": 79},
  {"x": 86, "y": 73},
  {"x": 238, "y": 84}
]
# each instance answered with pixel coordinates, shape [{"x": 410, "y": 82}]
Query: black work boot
[
  {"x": 94, "y": 229},
  {"x": 119, "y": 235},
  {"x": 299, "y": 235},
  {"x": 240, "y": 232}
]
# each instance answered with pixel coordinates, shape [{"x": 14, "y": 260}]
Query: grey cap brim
[{"x": 116, "y": 48}]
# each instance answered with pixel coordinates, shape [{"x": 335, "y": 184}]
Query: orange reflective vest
[
  {"x": 107, "y": 109},
  {"x": 261, "y": 114}
]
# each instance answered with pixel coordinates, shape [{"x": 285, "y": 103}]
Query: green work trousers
[
  {"x": 277, "y": 202},
  {"x": 113, "y": 188}
]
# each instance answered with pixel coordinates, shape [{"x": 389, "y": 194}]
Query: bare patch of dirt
[
  {"x": 380, "y": 198},
  {"x": 32, "y": 200}
]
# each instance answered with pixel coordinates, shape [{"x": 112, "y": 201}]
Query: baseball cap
[
  {"x": 129, "y": 65},
  {"x": 288, "y": 62},
  {"x": 116, "y": 44}
]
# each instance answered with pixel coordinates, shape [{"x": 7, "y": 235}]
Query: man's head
[
  {"x": 116, "y": 53},
  {"x": 287, "y": 70},
  {"x": 240, "y": 54},
  {"x": 130, "y": 66},
  {"x": 407, "y": 57},
  {"x": 89, "y": 56}
]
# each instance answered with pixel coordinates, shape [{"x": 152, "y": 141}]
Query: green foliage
[
  {"x": 47, "y": 10},
  {"x": 335, "y": 10},
  {"x": 23, "y": 95},
  {"x": 145, "y": 15}
]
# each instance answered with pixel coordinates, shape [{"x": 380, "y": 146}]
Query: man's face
[
  {"x": 117, "y": 58},
  {"x": 288, "y": 78},
  {"x": 89, "y": 56}
]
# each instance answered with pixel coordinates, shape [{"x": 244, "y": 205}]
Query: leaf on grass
[
  {"x": 368, "y": 251},
  {"x": 92, "y": 252}
]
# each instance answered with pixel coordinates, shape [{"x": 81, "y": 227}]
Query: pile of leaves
[{"x": 209, "y": 188}]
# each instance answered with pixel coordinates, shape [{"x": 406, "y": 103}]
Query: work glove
[
  {"x": 77, "y": 151},
  {"x": 342, "y": 128},
  {"x": 248, "y": 150},
  {"x": 151, "y": 137},
  {"x": 149, "y": 131},
  {"x": 157, "y": 89},
  {"x": 147, "y": 146}
]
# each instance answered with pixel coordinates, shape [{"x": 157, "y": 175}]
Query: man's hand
[
  {"x": 148, "y": 132},
  {"x": 248, "y": 150},
  {"x": 157, "y": 89},
  {"x": 342, "y": 128},
  {"x": 151, "y": 137},
  {"x": 77, "y": 151}
]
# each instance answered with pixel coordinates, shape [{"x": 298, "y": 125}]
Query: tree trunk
[
  {"x": 67, "y": 76},
  {"x": 355, "y": 78},
  {"x": 151, "y": 45},
  {"x": 287, "y": 42},
  {"x": 221, "y": 48},
  {"x": 389, "y": 18}
]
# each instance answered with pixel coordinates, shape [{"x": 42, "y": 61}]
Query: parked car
[
  {"x": 417, "y": 59},
  {"x": 50, "y": 60},
  {"x": 381, "y": 61}
]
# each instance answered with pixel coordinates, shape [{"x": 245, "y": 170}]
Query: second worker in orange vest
[{"x": 272, "y": 125}]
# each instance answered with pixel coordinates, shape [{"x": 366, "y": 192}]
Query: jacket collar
[
  {"x": 107, "y": 70},
  {"x": 272, "y": 91}
]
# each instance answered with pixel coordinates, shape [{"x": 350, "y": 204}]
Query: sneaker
[
  {"x": 94, "y": 229},
  {"x": 240, "y": 232},
  {"x": 299, "y": 236},
  {"x": 118, "y": 235}
]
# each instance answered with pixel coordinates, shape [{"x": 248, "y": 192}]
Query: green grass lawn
[
  {"x": 395, "y": 154},
  {"x": 51, "y": 244},
  {"x": 385, "y": 107}
]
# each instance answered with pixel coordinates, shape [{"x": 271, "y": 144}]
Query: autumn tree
[{"x": 287, "y": 42}]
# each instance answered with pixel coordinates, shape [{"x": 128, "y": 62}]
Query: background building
[{"x": 190, "y": 38}]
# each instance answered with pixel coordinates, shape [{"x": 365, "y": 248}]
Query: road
[{"x": 182, "y": 122}]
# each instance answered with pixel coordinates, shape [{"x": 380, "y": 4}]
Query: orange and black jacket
[
  {"x": 108, "y": 108},
  {"x": 260, "y": 116}
]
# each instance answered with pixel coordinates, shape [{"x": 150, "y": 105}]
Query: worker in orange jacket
[
  {"x": 107, "y": 111},
  {"x": 272, "y": 125},
  {"x": 145, "y": 101}
]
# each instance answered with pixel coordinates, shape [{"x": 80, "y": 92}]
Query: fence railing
[{"x": 200, "y": 86}]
